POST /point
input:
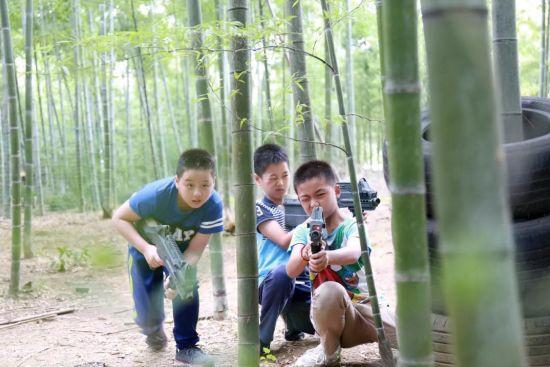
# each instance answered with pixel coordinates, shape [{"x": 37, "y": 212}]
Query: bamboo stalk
[
  {"x": 224, "y": 152},
  {"x": 247, "y": 257},
  {"x": 14, "y": 152},
  {"x": 406, "y": 168},
  {"x": 142, "y": 83},
  {"x": 267, "y": 84},
  {"x": 77, "y": 105},
  {"x": 383, "y": 343},
  {"x": 107, "y": 200},
  {"x": 300, "y": 86},
  {"x": 505, "y": 47},
  {"x": 473, "y": 218},
  {"x": 207, "y": 142},
  {"x": 6, "y": 175}
]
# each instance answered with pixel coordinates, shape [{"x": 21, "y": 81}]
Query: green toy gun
[{"x": 182, "y": 276}]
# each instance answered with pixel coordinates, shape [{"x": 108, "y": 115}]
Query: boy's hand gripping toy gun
[{"x": 181, "y": 276}]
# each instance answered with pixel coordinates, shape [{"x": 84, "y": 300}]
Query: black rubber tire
[
  {"x": 528, "y": 162},
  {"x": 532, "y": 251},
  {"x": 532, "y": 326},
  {"x": 537, "y": 340}
]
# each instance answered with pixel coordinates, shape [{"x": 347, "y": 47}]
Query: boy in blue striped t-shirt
[
  {"x": 194, "y": 211},
  {"x": 278, "y": 293}
]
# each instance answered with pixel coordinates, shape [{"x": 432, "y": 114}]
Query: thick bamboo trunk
[
  {"x": 29, "y": 128},
  {"x": 505, "y": 46},
  {"x": 406, "y": 166},
  {"x": 14, "y": 150},
  {"x": 207, "y": 142},
  {"x": 475, "y": 235},
  {"x": 300, "y": 86},
  {"x": 247, "y": 257},
  {"x": 383, "y": 343}
]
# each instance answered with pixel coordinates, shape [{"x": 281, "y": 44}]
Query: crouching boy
[
  {"x": 340, "y": 310},
  {"x": 188, "y": 203},
  {"x": 278, "y": 293}
]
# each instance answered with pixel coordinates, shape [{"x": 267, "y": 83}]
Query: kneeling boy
[
  {"x": 278, "y": 293},
  {"x": 340, "y": 311}
]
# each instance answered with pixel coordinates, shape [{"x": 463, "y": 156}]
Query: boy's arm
[
  {"x": 122, "y": 220},
  {"x": 274, "y": 232},
  {"x": 196, "y": 247},
  {"x": 343, "y": 256},
  {"x": 296, "y": 264}
]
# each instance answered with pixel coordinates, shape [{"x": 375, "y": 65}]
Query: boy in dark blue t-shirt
[{"x": 194, "y": 211}]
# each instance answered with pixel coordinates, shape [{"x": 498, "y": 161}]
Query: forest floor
[{"x": 101, "y": 331}]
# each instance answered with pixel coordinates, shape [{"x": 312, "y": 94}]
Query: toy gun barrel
[
  {"x": 368, "y": 197},
  {"x": 316, "y": 225}
]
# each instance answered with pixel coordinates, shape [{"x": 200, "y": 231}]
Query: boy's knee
[{"x": 330, "y": 296}]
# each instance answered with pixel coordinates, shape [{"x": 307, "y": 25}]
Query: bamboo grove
[{"x": 98, "y": 97}]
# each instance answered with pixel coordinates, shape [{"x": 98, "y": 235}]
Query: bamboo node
[
  {"x": 391, "y": 87},
  {"x": 408, "y": 190},
  {"x": 412, "y": 277},
  {"x": 429, "y": 360},
  {"x": 436, "y": 12}
]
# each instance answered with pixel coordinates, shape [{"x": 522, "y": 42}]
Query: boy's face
[
  {"x": 274, "y": 181},
  {"x": 195, "y": 187},
  {"x": 318, "y": 192}
]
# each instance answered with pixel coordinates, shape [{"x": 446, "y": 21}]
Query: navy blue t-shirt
[{"x": 159, "y": 200}]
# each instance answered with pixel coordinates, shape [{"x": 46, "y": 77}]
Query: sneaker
[
  {"x": 157, "y": 340},
  {"x": 316, "y": 358},
  {"x": 194, "y": 356},
  {"x": 293, "y": 336}
]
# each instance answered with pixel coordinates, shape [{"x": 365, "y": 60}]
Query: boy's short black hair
[
  {"x": 196, "y": 159},
  {"x": 314, "y": 169},
  {"x": 268, "y": 154}
]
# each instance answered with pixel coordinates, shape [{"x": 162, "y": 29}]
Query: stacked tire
[
  {"x": 528, "y": 183},
  {"x": 537, "y": 341}
]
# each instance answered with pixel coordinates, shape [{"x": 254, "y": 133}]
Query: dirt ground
[{"x": 101, "y": 332}]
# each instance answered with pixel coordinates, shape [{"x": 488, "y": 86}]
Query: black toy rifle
[
  {"x": 295, "y": 215},
  {"x": 315, "y": 225},
  {"x": 182, "y": 275}
]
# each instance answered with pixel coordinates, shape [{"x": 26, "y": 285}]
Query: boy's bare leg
[{"x": 341, "y": 323}]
